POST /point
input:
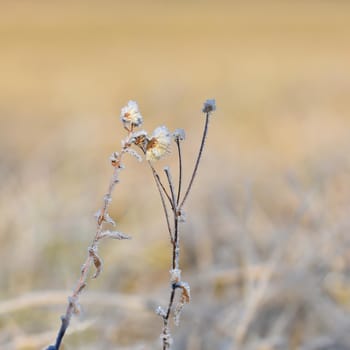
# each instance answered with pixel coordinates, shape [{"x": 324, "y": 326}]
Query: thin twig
[
  {"x": 159, "y": 187},
  {"x": 175, "y": 259},
  {"x": 73, "y": 303},
  {"x": 175, "y": 262},
  {"x": 205, "y": 132},
  {"x": 155, "y": 174},
  {"x": 172, "y": 190},
  {"x": 180, "y": 170},
  {"x": 65, "y": 320}
]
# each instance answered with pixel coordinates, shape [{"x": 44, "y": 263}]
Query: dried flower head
[
  {"x": 130, "y": 115},
  {"x": 179, "y": 135},
  {"x": 139, "y": 138},
  {"x": 158, "y": 144},
  {"x": 209, "y": 106}
]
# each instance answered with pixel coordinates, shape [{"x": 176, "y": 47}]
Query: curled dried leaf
[
  {"x": 186, "y": 291},
  {"x": 184, "y": 299},
  {"x": 97, "y": 262}
]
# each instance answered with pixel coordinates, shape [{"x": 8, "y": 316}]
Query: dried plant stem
[
  {"x": 204, "y": 136},
  {"x": 92, "y": 257},
  {"x": 162, "y": 190},
  {"x": 161, "y": 185},
  {"x": 154, "y": 147},
  {"x": 180, "y": 170},
  {"x": 175, "y": 199},
  {"x": 175, "y": 262}
]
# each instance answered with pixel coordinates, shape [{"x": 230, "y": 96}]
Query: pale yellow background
[{"x": 265, "y": 246}]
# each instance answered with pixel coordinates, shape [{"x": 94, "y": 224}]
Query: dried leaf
[
  {"x": 186, "y": 291},
  {"x": 184, "y": 299},
  {"x": 114, "y": 235},
  {"x": 133, "y": 153},
  {"x": 97, "y": 262},
  {"x": 177, "y": 312}
]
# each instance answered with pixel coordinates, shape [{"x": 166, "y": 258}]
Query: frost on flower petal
[
  {"x": 209, "y": 106},
  {"x": 158, "y": 144},
  {"x": 130, "y": 114}
]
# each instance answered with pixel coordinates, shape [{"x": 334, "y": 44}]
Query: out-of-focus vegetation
[{"x": 266, "y": 243}]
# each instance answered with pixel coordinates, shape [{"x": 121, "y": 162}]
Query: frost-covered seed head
[
  {"x": 179, "y": 135},
  {"x": 130, "y": 114},
  {"x": 209, "y": 106},
  {"x": 139, "y": 138},
  {"x": 158, "y": 144}
]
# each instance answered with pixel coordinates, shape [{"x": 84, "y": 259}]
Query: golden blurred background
[{"x": 266, "y": 243}]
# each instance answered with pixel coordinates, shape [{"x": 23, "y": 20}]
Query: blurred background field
[{"x": 266, "y": 243}]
